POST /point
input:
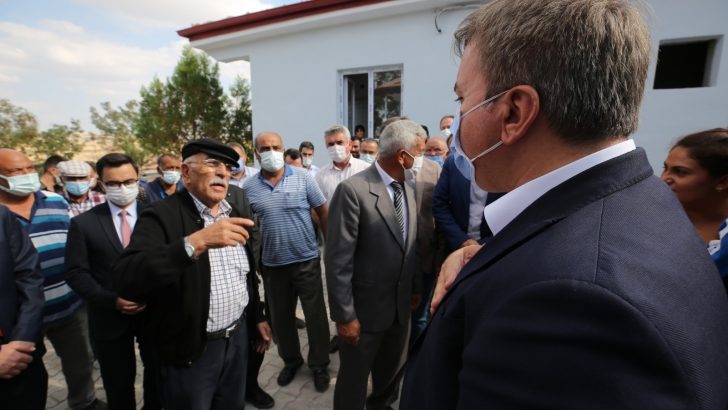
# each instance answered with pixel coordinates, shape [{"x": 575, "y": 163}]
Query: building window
[
  {"x": 686, "y": 64},
  {"x": 369, "y": 96}
]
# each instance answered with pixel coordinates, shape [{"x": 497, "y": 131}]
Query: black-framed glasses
[{"x": 116, "y": 184}]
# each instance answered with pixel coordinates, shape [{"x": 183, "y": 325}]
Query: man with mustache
[{"x": 191, "y": 262}]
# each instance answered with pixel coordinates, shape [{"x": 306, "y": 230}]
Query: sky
[{"x": 60, "y": 57}]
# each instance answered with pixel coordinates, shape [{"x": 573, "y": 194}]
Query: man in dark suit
[
  {"x": 594, "y": 291},
  {"x": 371, "y": 270},
  {"x": 95, "y": 239},
  {"x": 190, "y": 263},
  {"x": 23, "y": 378}
]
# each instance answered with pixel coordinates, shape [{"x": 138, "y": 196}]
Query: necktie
[
  {"x": 125, "y": 229},
  {"x": 398, "y": 205}
]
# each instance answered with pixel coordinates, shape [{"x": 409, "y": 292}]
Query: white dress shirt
[
  {"x": 501, "y": 212},
  {"x": 390, "y": 190},
  {"x": 249, "y": 172},
  {"x": 131, "y": 216},
  {"x": 478, "y": 197},
  {"x": 329, "y": 177}
]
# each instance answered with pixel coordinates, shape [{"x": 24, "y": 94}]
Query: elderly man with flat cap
[{"x": 190, "y": 261}]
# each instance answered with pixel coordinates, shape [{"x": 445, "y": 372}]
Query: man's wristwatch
[{"x": 189, "y": 248}]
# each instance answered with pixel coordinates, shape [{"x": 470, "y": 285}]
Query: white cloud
[
  {"x": 177, "y": 14},
  {"x": 58, "y": 71}
]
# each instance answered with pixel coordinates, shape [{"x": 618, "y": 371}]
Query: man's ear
[
  {"x": 185, "y": 172},
  {"x": 523, "y": 105}
]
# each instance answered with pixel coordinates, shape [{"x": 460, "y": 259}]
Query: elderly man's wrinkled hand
[
  {"x": 266, "y": 336},
  {"x": 225, "y": 232},
  {"x": 15, "y": 357},
  {"x": 449, "y": 272}
]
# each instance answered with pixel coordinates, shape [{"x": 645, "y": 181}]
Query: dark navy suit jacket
[
  {"x": 21, "y": 283},
  {"x": 598, "y": 295}
]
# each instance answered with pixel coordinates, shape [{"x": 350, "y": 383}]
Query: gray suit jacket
[
  {"x": 430, "y": 250},
  {"x": 370, "y": 271}
]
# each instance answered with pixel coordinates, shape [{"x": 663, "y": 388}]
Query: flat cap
[
  {"x": 212, "y": 148},
  {"x": 74, "y": 168}
]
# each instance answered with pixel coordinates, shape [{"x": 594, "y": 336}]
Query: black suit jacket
[
  {"x": 155, "y": 269},
  {"x": 91, "y": 248},
  {"x": 21, "y": 283},
  {"x": 598, "y": 295}
]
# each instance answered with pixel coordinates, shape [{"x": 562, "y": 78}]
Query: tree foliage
[
  {"x": 118, "y": 124},
  {"x": 19, "y": 130},
  {"x": 191, "y": 105}
]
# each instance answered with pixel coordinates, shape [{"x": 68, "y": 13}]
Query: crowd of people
[{"x": 524, "y": 256}]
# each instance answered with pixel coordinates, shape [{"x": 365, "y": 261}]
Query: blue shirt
[
  {"x": 719, "y": 250},
  {"x": 48, "y": 228},
  {"x": 284, "y": 215}
]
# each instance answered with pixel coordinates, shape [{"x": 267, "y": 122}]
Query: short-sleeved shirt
[
  {"x": 329, "y": 177},
  {"x": 48, "y": 229},
  {"x": 284, "y": 216}
]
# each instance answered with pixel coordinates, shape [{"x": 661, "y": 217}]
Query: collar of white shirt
[
  {"x": 501, "y": 212},
  {"x": 385, "y": 176},
  {"x": 130, "y": 209}
]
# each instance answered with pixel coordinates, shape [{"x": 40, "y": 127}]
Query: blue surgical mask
[
  {"x": 462, "y": 162},
  {"x": 77, "y": 188},
  {"x": 437, "y": 158},
  {"x": 171, "y": 177},
  {"x": 21, "y": 185},
  {"x": 236, "y": 169},
  {"x": 368, "y": 158}
]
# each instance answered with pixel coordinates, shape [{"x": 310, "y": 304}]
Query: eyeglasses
[
  {"x": 214, "y": 164},
  {"x": 116, "y": 184}
]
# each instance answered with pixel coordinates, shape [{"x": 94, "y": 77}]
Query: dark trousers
[
  {"x": 28, "y": 390},
  {"x": 215, "y": 381},
  {"x": 283, "y": 285},
  {"x": 421, "y": 315},
  {"x": 383, "y": 355},
  {"x": 117, "y": 362},
  {"x": 255, "y": 360}
]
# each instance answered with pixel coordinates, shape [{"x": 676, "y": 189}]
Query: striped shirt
[
  {"x": 284, "y": 213},
  {"x": 48, "y": 227},
  {"x": 92, "y": 199},
  {"x": 228, "y": 269}
]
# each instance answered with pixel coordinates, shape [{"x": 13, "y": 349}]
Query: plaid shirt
[
  {"x": 93, "y": 198},
  {"x": 228, "y": 269}
]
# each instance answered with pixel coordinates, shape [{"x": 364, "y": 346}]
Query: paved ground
[{"x": 299, "y": 395}]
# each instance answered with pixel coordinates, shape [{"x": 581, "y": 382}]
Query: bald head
[
  {"x": 267, "y": 138},
  {"x": 10, "y": 159},
  {"x": 436, "y": 146}
]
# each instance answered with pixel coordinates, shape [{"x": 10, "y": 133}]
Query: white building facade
[{"x": 357, "y": 62}]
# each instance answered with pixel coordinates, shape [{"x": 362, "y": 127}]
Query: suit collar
[
  {"x": 384, "y": 204},
  {"x": 103, "y": 212},
  {"x": 565, "y": 199}
]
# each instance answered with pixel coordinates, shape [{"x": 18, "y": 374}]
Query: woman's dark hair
[{"x": 709, "y": 148}]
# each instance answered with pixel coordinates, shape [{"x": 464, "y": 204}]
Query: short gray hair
[
  {"x": 398, "y": 135},
  {"x": 587, "y": 59},
  {"x": 338, "y": 129}
]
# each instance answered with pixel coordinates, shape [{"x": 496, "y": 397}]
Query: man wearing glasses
[
  {"x": 190, "y": 262},
  {"x": 95, "y": 239}
]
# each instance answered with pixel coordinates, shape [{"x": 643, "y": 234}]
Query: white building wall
[
  {"x": 295, "y": 81},
  {"x": 669, "y": 114}
]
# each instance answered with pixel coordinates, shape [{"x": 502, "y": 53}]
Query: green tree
[
  {"x": 19, "y": 130},
  {"x": 189, "y": 105},
  {"x": 17, "y": 125},
  {"x": 239, "y": 119},
  {"x": 118, "y": 125},
  {"x": 58, "y": 139}
]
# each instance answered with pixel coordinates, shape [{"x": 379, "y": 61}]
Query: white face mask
[
  {"x": 122, "y": 195},
  {"x": 21, "y": 185},
  {"x": 337, "y": 153},
  {"x": 307, "y": 161},
  {"x": 446, "y": 133},
  {"x": 271, "y": 161},
  {"x": 369, "y": 158},
  {"x": 171, "y": 177},
  {"x": 411, "y": 173},
  {"x": 417, "y": 165}
]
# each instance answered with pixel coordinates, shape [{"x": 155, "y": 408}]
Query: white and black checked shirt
[{"x": 228, "y": 269}]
